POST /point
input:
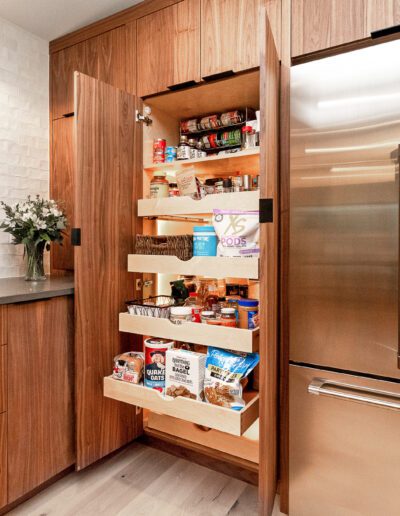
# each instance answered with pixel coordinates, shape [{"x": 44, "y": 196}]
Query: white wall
[{"x": 24, "y": 131}]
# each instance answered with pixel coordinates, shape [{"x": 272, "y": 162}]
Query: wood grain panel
[
  {"x": 154, "y": 53},
  {"x": 40, "y": 393},
  {"x": 186, "y": 41},
  {"x": 269, "y": 188},
  {"x": 104, "y": 196},
  {"x": 131, "y": 58},
  {"x": 62, "y": 185},
  {"x": 3, "y": 325},
  {"x": 114, "y": 21},
  {"x": 330, "y": 23},
  {"x": 229, "y": 35},
  {"x": 3, "y": 379},
  {"x": 284, "y": 261},
  {"x": 3, "y": 460},
  {"x": 382, "y": 14},
  {"x": 109, "y": 52}
]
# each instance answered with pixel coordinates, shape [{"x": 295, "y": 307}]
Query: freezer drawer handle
[{"x": 346, "y": 391}]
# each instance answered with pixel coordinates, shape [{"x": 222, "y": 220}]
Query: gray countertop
[{"x": 17, "y": 290}]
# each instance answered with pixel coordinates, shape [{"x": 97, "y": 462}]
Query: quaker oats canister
[{"x": 154, "y": 362}]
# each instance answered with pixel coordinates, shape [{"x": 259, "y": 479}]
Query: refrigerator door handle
[{"x": 369, "y": 396}]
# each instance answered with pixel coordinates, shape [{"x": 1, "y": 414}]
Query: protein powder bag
[
  {"x": 238, "y": 232},
  {"x": 223, "y": 375}
]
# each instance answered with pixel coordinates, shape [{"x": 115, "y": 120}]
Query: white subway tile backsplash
[{"x": 24, "y": 127}]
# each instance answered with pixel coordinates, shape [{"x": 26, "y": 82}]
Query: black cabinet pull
[
  {"x": 68, "y": 115},
  {"x": 385, "y": 32},
  {"x": 221, "y": 75},
  {"x": 266, "y": 211},
  {"x": 76, "y": 236},
  {"x": 182, "y": 85}
]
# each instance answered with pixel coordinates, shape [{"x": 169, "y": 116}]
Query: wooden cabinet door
[
  {"x": 40, "y": 409},
  {"x": 62, "y": 187},
  {"x": 329, "y": 23},
  {"x": 3, "y": 460},
  {"x": 168, "y": 51},
  {"x": 104, "y": 210},
  {"x": 229, "y": 36},
  {"x": 3, "y": 379},
  {"x": 102, "y": 57},
  {"x": 269, "y": 185}
]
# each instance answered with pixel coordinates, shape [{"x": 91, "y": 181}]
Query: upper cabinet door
[
  {"x": 105, "y": 193},
  {"x": 329, "y": 23},
  {"x": 168, "y": 50},
  {"x": 229, "y": 36},
  {"x": 102, "y": 57}
]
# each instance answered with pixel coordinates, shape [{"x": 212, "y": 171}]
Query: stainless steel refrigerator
[{"x": 344, "y": 383}]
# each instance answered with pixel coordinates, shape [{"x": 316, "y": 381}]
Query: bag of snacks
[
  {"x": 224, "y": 373},
  {"x": 238, "y": 232}
]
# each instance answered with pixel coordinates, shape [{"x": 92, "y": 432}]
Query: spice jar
[
  {"x": 227, "y": 185},
  {"x": 237, "y": 183},
  {"x": 159, "y": 186},
  {"x": 248, "y": 137},
  {"x": 180, "y": 314},
  {"x": 173, "y": 190},
  {"x": 209, "y": 317},
  {"x": 248, "y": 313},
  {"x": 219, "y": 187},
  {"x": 192, "y": 148},
  {"x": 200, "y": 152},
  {"x": 228, "y": 317},
  {"x": 183, "y": 151}
]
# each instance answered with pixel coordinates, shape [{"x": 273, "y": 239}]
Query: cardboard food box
[{"x": 184, "y": 375}]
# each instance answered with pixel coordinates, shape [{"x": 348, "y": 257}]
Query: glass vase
[{"x": 34, "y": 261}]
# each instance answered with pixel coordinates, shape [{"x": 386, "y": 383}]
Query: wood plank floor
[{"x": 143, "y": 481}]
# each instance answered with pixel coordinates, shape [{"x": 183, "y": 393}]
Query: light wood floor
[{"x": 143, "y": 481}]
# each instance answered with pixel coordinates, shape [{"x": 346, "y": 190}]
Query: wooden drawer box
[{"x": 223, "y": 419}]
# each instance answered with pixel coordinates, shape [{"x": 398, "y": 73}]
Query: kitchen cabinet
[
  {"x": 102, "y": 57},
  {"x": 3, "y": 460},
  {"x": 3, "y": 383},
  {"x": 329, "y": 23},
  {"x": 168, "y": 53},
  {"x": 40, "y": 412},
  {"x": 230, "y": 39},
  {"x": 62, "y": 187},
  {"x": 104, "y": 193}
]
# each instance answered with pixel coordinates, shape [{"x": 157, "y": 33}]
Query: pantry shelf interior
[
  {"x": 212, "y": 416},
  {"x": 236, "y": 339},
  {"x": 185, "y": 205},
  {"x": 211, "y": 266},
  {"x": 247, "y": 161}
]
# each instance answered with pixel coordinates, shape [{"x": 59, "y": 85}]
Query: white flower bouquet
[{"x": 34, "y": 223}]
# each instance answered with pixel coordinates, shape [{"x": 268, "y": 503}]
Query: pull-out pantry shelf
[
  {"x": 212, "y": 266},
  {"x": 185, "y": 205},
  {"x": 236, "y": 339},
  {"x": 220, "y": 418}
]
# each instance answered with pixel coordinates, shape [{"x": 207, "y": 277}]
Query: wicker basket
[{"x": 174, "y": 245}]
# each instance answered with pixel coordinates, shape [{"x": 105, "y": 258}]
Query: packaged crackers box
[{"x": 184, "y": 375}]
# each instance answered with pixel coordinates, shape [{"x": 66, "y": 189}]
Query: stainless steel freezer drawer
[{"x": 344, "y": 455}]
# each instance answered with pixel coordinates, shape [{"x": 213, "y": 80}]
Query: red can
[{"x": 159, "y": 146}]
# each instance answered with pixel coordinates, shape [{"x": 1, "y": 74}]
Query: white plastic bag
[{"x": 238, "y": 233}]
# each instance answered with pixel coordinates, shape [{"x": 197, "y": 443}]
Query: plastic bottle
[
  {"x": 212, "y": 298},
  {"x": 194, "y": 303}
]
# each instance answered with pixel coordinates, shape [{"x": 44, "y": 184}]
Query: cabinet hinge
[
  {"x": 144, "y": 118},
  {"x": 266, "y": 211}
]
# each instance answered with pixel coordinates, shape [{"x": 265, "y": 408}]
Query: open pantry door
[
  {"x": 269, "y": 216},
  {"x": 105, "y": 195}
]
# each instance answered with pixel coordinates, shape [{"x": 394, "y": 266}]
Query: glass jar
[
  {"x": 159, "y": 185},
  {"x": 237, "y": 183},
  {"x": 192, "y": 148},
  {"x": 249, "y": 139},
  {"x": 227, "y": 185},
  {"x": 180, "y": 314},
  {"x": 193, "y": 302},
  {"x": 183, "y": 150},
  {"x": 219, "y": 187},
  {"x": 228, "y": 317},
  {"x": 200, "y": 152},
  {"x": 209, "y": 317},
  {"x": 211, "y": 302}
]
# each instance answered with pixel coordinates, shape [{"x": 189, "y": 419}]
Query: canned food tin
[{"x": 154, "y": 362}]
